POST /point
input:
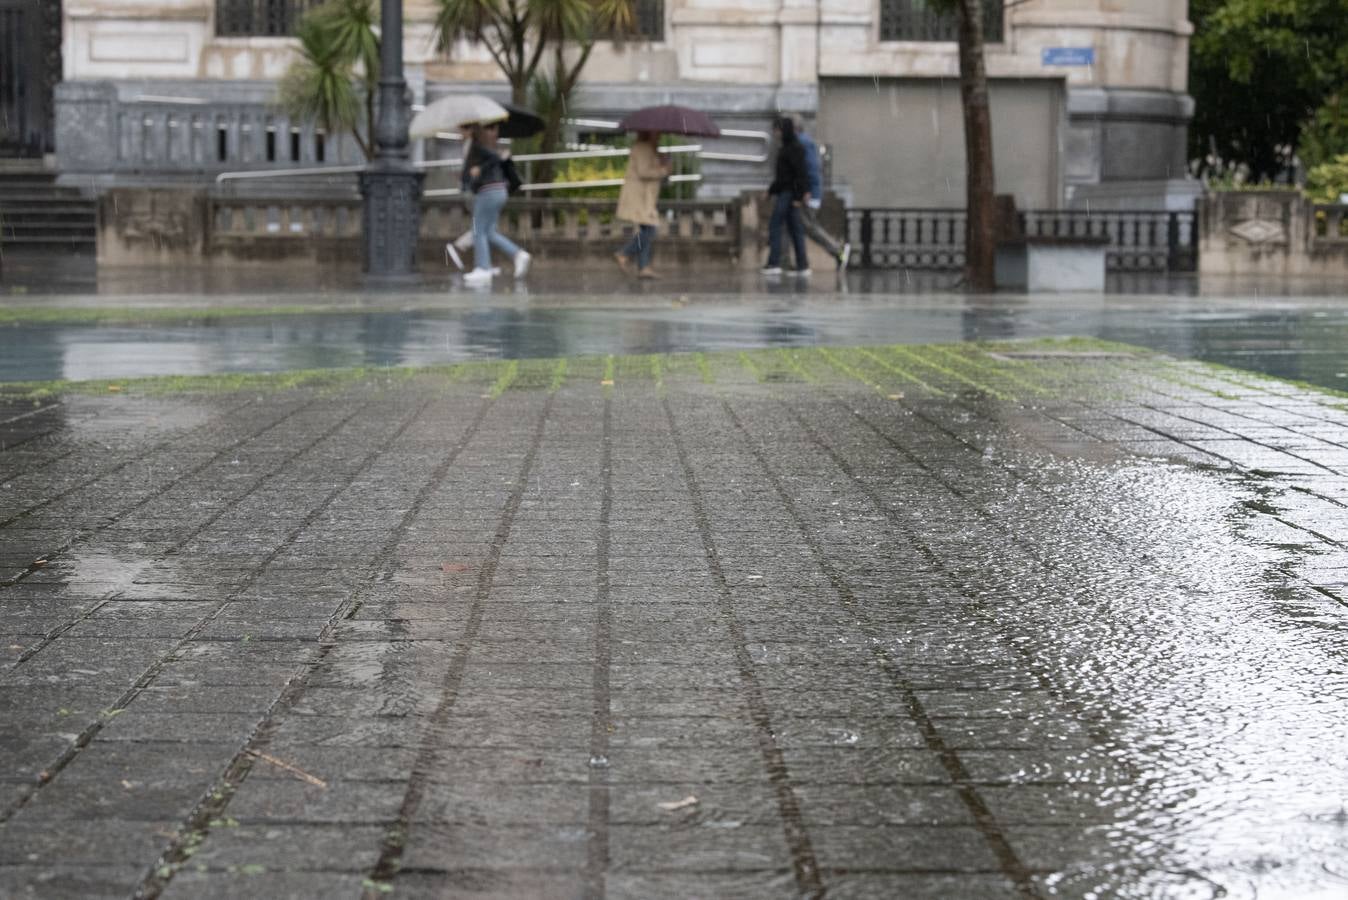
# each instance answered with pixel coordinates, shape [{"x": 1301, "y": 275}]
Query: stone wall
[
  {"x": 196, "y": 227},
  {"x": 1275, "y": 233}
]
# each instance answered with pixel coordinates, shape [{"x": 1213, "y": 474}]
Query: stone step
[
  {"x": 10, "y": 226},
  {"x": 48, "y": 243},
  {"x": 33, "y": 197},
  {"x": 64, "y": 209}
]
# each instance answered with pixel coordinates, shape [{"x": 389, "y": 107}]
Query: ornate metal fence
[{"x": 1139, "y": 240}]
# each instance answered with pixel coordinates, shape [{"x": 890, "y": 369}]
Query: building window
[
  {"x": 264, "y": 18},
  {"x": 916, "y": 20},
  {"x": 650, "y": 20}
]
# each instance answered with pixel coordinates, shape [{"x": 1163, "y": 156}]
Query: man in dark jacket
[{"x": 788, "y": 190}]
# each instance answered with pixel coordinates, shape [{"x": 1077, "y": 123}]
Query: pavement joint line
[
  {"x": 385, "y": 869},
  {"x": 902, "y": 373},
  {"x": 1224, "y": 430},
  {"x": 984, "y": 820},
  {"x": 35, "y": 437},
  {"x": 1003, "y": 371},
  {"x": 597, "y": 856},
  {"x": 87, "y": 735},
  {"x": 32, "y": 412},
  {"x": 217, "y": 799},
  {"x": 1014, "y": 537},
  {"x": 109, "y": 522},
  {"x": 156, "y": 448},
  {"x": 804, "y": 864},
  {"x": 1046, "y": 681}
]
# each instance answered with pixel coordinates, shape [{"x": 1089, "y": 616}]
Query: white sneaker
[
  {"x": 803, "y": 273},
  {"x": 522, "y": 264},
  {"x": 478, "y": 276},
  {"x": 770, "y": 270},
  {"x": 453, "y": 254},
  {"x": 464, "y": 241},
  {"x": 844, "y": 255}
]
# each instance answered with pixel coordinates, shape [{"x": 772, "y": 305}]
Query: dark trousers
[
  {"x": 641, "y": 246},
  {"x": 815, "y": 232},
  {"x": 785, "y": 212}
]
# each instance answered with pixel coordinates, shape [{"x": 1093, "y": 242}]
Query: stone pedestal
[
  {"x": 1046, "y": 264},
  {"x": 392, "y": 220}
]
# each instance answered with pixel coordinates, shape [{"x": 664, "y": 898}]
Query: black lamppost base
[{"x": 391, "y": 221}]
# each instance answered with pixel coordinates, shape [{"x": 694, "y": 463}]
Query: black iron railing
[
  {"x": 1139, "y": 240},
  {"x": 917, "y": 20},
  {"x": 260, "y": 18}
]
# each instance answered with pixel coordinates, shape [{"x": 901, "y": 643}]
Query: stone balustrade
[
  {"x": 159, "y": 227},
  {"x": 1272, "y": 233}
]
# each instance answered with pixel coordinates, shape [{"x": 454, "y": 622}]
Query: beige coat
[{"x": 641, "y": 186}]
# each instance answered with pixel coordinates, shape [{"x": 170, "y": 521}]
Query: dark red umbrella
[{"x": 671, "y": 120}]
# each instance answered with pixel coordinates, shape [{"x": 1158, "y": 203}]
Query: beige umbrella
[{"x": 452, "y": 112}]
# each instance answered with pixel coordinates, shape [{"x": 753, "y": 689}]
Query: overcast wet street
[{"x": 1024, "y": 619}]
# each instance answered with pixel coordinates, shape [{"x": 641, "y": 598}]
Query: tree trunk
[{"x": 980, "y": 245}]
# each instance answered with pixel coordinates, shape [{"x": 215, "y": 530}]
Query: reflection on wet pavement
[
  {"x": 1025, "y": 620},
  {"x": 1304, "y": 339}
]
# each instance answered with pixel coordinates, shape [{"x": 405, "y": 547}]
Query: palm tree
[
  {"x": 520, "y": 33},
  {"x": 338, "y": 71}
]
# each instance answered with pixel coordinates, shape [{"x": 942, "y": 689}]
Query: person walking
[
  {"x": 788, "y": 190},
  {"x": 636, "y": 202},
  {"x": 488, "y": 172},
  {"x": 841, "y": 251},
  {"x": 463, "y": 242}
]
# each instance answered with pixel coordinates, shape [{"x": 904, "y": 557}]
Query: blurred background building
[{"x": 1088, "y": 96}]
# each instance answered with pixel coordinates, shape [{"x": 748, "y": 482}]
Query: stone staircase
[{"x": 38, "y": 216}]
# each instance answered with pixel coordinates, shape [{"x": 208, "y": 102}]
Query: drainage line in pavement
[
  {"x": 55, "y": 633},
  {"x": 217, "y": 799},
  {"x": 149, "y": 675},
  {"x": 597, "y": 859},
  {"x": 986, "y": 823},
  {"x": 803, "y": 861},
  {"x": 381, "y": 876}
]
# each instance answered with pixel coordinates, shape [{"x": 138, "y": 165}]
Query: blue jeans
[
  {"x": 641, "y": 246},
  {"x": 487, "y": 206},
  {"x": 784, "y": 211}
]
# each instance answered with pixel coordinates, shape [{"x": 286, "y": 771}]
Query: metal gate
[{"x": 29, "y": 64}]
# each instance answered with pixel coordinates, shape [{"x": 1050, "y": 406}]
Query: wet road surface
[
  {"x": 1028, "y": 621},
  {"x": 1302, "y": 338}
]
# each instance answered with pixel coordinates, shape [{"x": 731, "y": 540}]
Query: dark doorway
[{"x": 30, "y": 65}]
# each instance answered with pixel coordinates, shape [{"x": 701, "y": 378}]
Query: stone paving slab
[{"x": 1024, "y": 620}]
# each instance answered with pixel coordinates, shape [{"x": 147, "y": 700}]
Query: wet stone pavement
[{"x": 1038, "y": 620}]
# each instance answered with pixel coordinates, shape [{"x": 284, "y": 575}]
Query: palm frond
[{"x": 455, "y": 19}]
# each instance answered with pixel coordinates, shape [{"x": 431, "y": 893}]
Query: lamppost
[{"x": 390, "y": 186}]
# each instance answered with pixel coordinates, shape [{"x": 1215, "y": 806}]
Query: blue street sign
[{"x": 1068, "y": 56}]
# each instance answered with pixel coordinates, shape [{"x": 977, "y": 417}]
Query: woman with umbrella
[
  {"x": 645, "y": 171},
  {"x": 788, "y": 190},
  {"x": 488, "y": 176},
  {"x": 636, "y": 202}
]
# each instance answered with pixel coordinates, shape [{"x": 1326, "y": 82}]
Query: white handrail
[
  {"x": 560, "y": 185},
  {"x": 530, "y": 157}
]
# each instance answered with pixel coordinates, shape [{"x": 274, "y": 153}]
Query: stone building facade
[{"x": 1090, "y": 102}]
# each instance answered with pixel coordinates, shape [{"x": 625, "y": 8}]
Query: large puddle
[{"x": 1289, "y": 338}]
